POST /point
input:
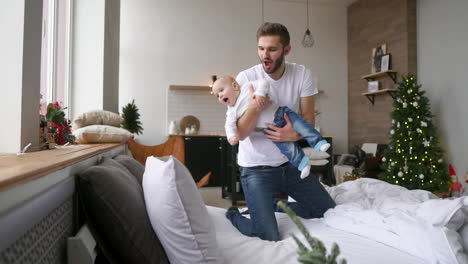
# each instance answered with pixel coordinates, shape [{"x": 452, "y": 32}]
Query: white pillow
[
  {"x": 101, "y": 134},
  {"x": 97, "y": 117},
  {"x": 178, "y": 214},
  {"x": 315, "y": 155},
  {"x": 318, "y": 162}
]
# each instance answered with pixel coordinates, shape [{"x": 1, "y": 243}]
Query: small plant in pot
[{"x": 131, "y": 118}]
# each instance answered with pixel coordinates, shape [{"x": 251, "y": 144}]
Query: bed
[
  {"x": 373, "y": 222},
  {"x": 237, "y": 248}
]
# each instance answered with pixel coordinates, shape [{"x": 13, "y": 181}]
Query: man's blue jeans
[
  {"x": 292, "y": 150},
  {"x": 260, "y": 185}
]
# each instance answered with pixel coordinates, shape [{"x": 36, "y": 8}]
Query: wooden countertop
[
  {"x": 16, "y": 169},
  {"x": 198, "y": 135}
]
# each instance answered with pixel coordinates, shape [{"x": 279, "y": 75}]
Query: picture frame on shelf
[
  {"x": 372, "y": 86},
  {"x": 385, "y": 63},
  {"x": 377, "y": 53}
]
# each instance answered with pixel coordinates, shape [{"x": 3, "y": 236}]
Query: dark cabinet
[
  {"x": 205, "y": 154},
  {"x": 231, "y": 187}
]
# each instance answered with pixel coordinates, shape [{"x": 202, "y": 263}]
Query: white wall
[
  {"x": 11, "y": 66},
  {"x": 185, "y": 42},
  {"x": 442, "y": 36},
  {"x": 20, "y": 53}
]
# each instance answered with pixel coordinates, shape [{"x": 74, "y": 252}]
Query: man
[{"x": 264, "y": 170}]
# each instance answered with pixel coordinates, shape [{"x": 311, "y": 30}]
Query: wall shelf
[
  {"x": 371, "y": 95},
  {"x": 373, "y": 76},
  {"x": 190, "y": 87}
]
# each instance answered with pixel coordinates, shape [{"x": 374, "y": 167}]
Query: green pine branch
[
  {"x": 131, "y": 118},
  {"x": 318, "y": 253}
]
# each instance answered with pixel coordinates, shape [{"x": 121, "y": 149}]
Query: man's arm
[
  {"x": 248, "y": 121},
  {"x": 308, "y": 109},
  {"x": 287, "y": 133}
]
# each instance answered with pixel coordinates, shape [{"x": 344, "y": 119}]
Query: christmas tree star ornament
[
  {"x": 423, "y": 124},
  {"x": 426, "y": 143}
]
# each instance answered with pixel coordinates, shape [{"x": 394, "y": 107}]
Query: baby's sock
[
  {"x": 325, "y": 147},
  {"x": 322, "y": 145},
  {"x": 305, "y": 171}
]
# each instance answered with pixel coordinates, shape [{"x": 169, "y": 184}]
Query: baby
[{"x": 236, "y": 98}]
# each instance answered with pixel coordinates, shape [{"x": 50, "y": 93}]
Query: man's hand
[
  {"x": 257, "y": 101},
  {"x": 233, "y": 140},
  {"x": 282, "y": 134}
]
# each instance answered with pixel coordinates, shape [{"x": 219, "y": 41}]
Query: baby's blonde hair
[{"x": 225, "y": 79}]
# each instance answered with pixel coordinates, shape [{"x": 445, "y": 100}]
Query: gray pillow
[
  {"x": 109, "y": 162},
  {"x": 115, "y": 210},
  {"x": 132, "y": 165}
]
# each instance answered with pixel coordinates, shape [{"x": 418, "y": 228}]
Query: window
[{"x": 55, "y": 57}]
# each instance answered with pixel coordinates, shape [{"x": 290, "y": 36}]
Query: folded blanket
[{"x": 414, "y": 221}]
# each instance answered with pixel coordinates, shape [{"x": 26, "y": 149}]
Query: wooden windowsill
[{"x": 16, "y": 169}]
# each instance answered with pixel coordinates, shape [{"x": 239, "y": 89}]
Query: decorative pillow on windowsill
[
  {"x": 97, "y": 117},
  {"x": 101, "y": 134},
  {"x": 178, "y": 214}
]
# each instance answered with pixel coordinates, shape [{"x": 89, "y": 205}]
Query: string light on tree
[{"x": 410, "y": 158}]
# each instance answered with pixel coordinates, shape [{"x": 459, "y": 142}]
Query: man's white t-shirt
[{"x": 296, "y": 82}]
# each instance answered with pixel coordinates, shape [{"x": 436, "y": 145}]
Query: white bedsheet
[
  {"x": 408, "y": 220},
  {"x": 373, "y": 222},
  {"x": 239, "y": 249}
]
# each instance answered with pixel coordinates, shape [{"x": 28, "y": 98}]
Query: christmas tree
[{"x": 413, "y": 158}]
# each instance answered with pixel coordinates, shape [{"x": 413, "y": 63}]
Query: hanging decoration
[{"x": 308, "y": 40}]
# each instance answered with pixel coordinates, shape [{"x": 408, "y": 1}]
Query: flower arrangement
[{"x": 60, "y": 126}]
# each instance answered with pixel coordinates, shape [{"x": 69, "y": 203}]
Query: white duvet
[
  {"x": 411, "y": 221},
  {"x": 373, "y": 222}
]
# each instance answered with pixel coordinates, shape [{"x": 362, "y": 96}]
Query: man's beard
[{"x": 277, "y": 65}]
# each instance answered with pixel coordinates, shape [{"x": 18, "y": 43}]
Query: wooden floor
[{"x": 212, "y": 197}]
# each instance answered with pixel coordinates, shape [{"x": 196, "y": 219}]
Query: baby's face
[{"x": 225, "y": 93}]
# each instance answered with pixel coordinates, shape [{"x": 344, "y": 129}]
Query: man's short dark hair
[{"x": 274, "y": 29}]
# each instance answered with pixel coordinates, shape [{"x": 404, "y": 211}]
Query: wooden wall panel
[{"x": 370, "y": 23}]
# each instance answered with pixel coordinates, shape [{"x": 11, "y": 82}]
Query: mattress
[{"x": 237, "y": 248}]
